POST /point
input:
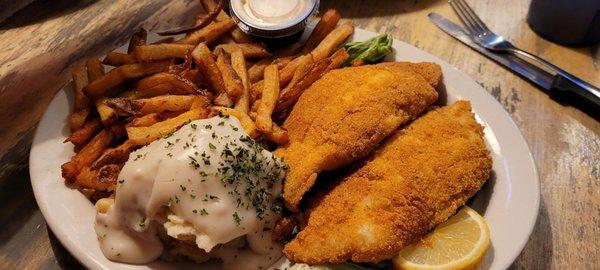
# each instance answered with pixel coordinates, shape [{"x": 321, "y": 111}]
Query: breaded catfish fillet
[
  {"x": 431, "y": 72},
  {"x": 343, "y": 116},
  {"x": 415, "y": 180}
]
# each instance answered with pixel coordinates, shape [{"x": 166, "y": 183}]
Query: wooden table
[{"x": 44, "y": 41}]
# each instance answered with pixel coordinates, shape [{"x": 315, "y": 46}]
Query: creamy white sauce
[
  {"x": 271, "y": 13},
  {"x": 209, "y": 183}
]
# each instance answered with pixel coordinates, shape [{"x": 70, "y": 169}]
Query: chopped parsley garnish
[
  {"x": 194, "y": 126},
  {"x": 236, "y": 218},
  {"x": 208, "y": 126},
  {"x": 212, "y": 146}
]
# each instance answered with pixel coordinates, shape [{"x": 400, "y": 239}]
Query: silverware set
[{"x": 559, "y": 83}]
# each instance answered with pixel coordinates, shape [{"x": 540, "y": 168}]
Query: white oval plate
[{"x": 509, "y": 201}]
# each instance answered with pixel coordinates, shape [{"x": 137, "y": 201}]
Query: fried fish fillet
[
  {"x": 343, "y": 116},
  {"x": 415, "y": 180}
]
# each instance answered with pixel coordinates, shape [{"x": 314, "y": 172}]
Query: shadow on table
[
  {"x": 355, "y": 9},
  {"x": 20, "y": 221},
  {"x": 539, "y": 247},
  {"x": 43, "y": 10}
]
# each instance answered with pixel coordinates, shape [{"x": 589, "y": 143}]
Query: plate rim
[{"x": 88, "y": 260}]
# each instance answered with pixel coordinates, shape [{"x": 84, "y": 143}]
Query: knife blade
[{"x": 529, "y": 71}]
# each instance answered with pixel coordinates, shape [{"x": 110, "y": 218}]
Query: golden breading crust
[
  {"x": 343, "y": 116},
  {"x": 431, "y": 72},
  {"x": 415, "y": 180}
]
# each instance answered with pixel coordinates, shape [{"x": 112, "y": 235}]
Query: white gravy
[
  {"x": 269, "y": 12},
  {"x": 214, "y": 177}
]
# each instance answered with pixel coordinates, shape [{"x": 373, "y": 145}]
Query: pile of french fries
[{"x": 156, "y": 88}]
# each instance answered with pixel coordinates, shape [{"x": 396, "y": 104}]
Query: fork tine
[
  {"x": 473, "y": 15},
  {"x": 469, "y": 24}
]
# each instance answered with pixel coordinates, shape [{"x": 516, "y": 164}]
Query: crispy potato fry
[
  {"x": 332, "y": 41},
  {"x": 180, "y": 85},
  {"x": 118, "y": 59},
  {"x": 82, "y": 136},
  {"x": 104, "y": 179},
  {"x": 244, "y": 119},
  {"x": 209, "y": 33},
  {"x": 88, "y": 154},
  {"x": 250, "y": 50},
  {"x": 268, "y": 100},
  {"x": 338, "y": 58},
  {"x": 144, "y": 120},
  {"x": 124, "y": 106},
  {"x": 257, "y": 71},
  {"x": 146, "y": 53},
  {"x": 144, "y": 135},
  {"x": 232, "y": 82},
  {"x": 327, "y": 23},
  {"x": 304, "y": 65},
  {"x": 278, "y": 135},
  {"x": 95, "y": 71},
  {"x": 165, "y": 103},
  {"x": 208, "y": 67},
  {"x": 117, "y": 155},
  {"x": 285, "y": 76},
  {"x": 290, "y": 94},
  {"x": 81, "y": 104},
  {"x": 211, "y": 5},
  {"x": 137, "y": 39},
  {"x": 239, "y": 36},
  {"x": 121, "y": 74},
  {"x": 200, "y": 103},
  {"x": 238, "y": 62},
  {"x": 223, "y": 100}
]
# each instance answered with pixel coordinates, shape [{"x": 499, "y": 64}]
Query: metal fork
[{"x": 482, "y": 35}]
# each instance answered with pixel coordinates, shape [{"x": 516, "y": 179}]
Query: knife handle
[{"x": 565, "y": 90}]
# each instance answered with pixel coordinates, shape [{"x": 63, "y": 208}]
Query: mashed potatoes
[{"x": 208, "y": 183}]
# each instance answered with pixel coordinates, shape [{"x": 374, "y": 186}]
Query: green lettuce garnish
[{"x": 370, "y": 51}]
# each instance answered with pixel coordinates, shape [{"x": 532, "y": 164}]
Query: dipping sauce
[
  {"x": 208, "y": 183},
  {"x": 268, "y": 18}
]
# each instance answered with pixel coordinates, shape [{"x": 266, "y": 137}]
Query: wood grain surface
[{"x": 44, "y": 41}]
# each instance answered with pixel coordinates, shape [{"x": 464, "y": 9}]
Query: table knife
[{"x": 558, "y": 87}]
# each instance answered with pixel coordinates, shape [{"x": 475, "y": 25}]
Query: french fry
[
  {"x": 117, "y": 155},
  {"x": 338, "y": 58},
  {"x": 250, "y": 50},
  {"x": 239, "y": 36},
  {"x": 257, "y": 71},
  {"x": 144, "y": 135},
  {"x": 116, "y": 59},
  {"x": 244, "y": 119},
  {"x": 327, "y": 23},
  {"x": 95, "y": 71},
  {"x": 82, "y": 136},
  {"x": 209, "y": 33},
  {"x": 304, "y": 66},
  {"x": 180, "y": 85},
  {"x": 137, "y": 39},
  {"x": 121, "y": 74},
  {"x": 147, "y": 53},
  {"x": 81, "y": 104},
  {"x": 223, "y": 100},
  {"x": 268, "y": 100},
  {"x": 208, "y": 67},
  {"x": 87, "y": 155},
  {"x": 144, "y": 120},
  {"x": 285, "y": 76},
  {"x": 124, "y": 106},
  {"x": 165, "y": 103},
  {"x": 232, "y": 82},
  {"x": 238, "y": 62},
  {"x": 290, "y": 94},
  {"x": 211, "y": 5},
  {"x": 332, "y": 41},
  {"x": 164, "y": 40},
  {"x": 278, "y": 135},
  {"x": 104, "y": 179},
  {"x": 200, "y": 103}
]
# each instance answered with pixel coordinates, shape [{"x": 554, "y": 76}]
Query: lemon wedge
[{"x": 459, "y": 243}]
